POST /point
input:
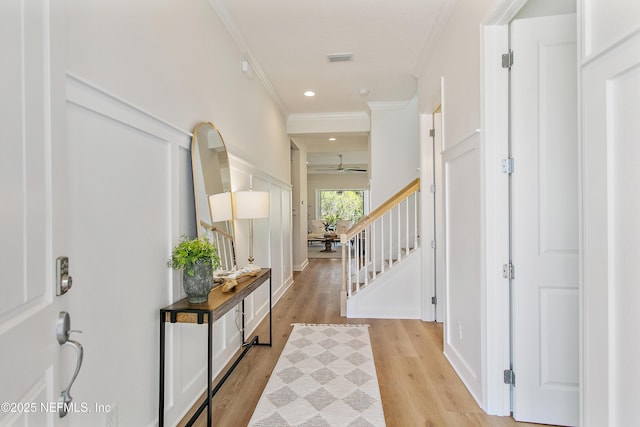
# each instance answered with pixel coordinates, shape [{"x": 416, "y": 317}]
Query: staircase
[
  {"x": 379, "y": 243},
  {"x": 224, "y": 243}
]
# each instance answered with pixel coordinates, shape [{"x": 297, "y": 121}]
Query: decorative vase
[{"x": 197, "y": 287}]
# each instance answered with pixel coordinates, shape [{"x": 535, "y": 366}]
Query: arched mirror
[{"x": 212, "y": 177}]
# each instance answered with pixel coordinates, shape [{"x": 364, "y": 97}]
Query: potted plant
[
  {"x": 197, "y": 258},
  {"x": 329, "y": 222}
]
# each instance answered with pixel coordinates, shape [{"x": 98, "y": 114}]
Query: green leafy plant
[
  {"x": 189, "y": 251},
  {"x": 329, "y": 221}
]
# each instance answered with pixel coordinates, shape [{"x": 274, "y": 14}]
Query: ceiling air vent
[{"x": 340, "y": 57}]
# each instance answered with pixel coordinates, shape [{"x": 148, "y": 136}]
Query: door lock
[{"x": 63, "y": 280}]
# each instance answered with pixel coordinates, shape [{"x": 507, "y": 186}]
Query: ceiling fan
[{"x": 341, "y": 168}]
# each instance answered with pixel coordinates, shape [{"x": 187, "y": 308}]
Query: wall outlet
[{"x": 111, "y": 419}]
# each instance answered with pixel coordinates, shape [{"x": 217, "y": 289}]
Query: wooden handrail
[
  {"x": 214, "y": 229},
  {"x": 392, "y": 202}
]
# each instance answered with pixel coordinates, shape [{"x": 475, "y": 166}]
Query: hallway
[{"x": 417, "y": 384}]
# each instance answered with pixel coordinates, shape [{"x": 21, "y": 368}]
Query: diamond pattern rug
[{"x": 325, "y": 376}]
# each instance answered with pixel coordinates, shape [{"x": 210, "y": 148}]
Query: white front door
[
  {"x": 30, "y": 377},
  {"x": 545, "y": 220}
]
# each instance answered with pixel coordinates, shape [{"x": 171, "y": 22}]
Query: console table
[{"x": 219, "y": 304}]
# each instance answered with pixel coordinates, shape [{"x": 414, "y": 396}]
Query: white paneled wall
[
  {"x": 610, "y": 93},
  {"x": 462, "y": 330},
  {"x": 131, "y": 200}
]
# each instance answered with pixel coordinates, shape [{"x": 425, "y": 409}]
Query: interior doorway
[{"x": 438, "y": 216}]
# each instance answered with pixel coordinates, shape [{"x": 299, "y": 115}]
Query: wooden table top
[{"x": 218, "y": 303}]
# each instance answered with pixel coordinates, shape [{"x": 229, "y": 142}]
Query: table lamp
[
  {"x": 220, "y": 207},
  {"x": 251, "y": 205}
]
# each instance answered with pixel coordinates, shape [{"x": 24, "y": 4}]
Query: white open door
[
  {"x": 30, "y": 374},
  {"x": 545, "y": 220}
]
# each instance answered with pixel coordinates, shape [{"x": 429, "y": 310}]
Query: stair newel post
[
  {"x": 399, "y": 231},
  {"x": 415, "y": 220},
  {"x": 406, "y": 236},
  {"x": 343, "y": 292}
]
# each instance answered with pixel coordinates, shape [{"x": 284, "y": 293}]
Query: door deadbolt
[{"x": 63, "y": 279}]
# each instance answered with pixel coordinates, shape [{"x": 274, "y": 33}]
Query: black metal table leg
[
  {"x": 209, "y": 368},
  {"x": 162, "y": 349},
  {"x": 270, "y": 309},
  {"x": 242, "y": 328}
]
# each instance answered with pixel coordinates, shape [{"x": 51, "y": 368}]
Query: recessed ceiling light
[
  {"x": 309, "y": 93},
  {"x": 332, "y": 139}
]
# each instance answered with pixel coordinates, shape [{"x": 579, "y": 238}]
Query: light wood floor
[{"x": 417, "y": 384}]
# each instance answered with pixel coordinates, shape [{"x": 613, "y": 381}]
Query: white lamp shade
[
  {"x": 221, "y": 207},
  {"x": 251, "y": 204}
]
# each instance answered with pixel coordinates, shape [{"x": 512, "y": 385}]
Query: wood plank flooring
[{"x": 417, "y": 384}]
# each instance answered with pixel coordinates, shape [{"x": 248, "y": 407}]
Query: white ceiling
[
  {"x": 286, "y": 42},
  {"x": 323, "y": 153}
]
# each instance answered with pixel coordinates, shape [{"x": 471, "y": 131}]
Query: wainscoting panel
[
  {"x": 132, "y": 200},
  {"x": 609, "y": 267},
  {"x": 462, "y": 337}
]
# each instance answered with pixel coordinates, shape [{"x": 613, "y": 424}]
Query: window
[{"x": 341, "y": 205}]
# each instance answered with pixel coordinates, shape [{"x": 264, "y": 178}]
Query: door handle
[{"x": 62, "y": 334}]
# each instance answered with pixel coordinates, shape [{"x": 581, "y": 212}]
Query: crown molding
[
  {"x": 505, "y": 12},
  {"x": 394, "y": 105},
  {"x": 225, "y": 17},
  {"x": 305, "y": 123},
  {"x": 328, "y": 116}
]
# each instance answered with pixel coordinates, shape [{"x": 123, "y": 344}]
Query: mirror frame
[{"x": 199, "y": 176}]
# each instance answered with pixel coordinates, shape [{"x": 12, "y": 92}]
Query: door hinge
[
  {"x": 507, "y": 271},
  {"x": 433, "y": 244},
  {"x": 434, "y": 300},
  {"x": 507, "y": 59},
  {"x": 432, "y": 132},
  {"x": 432, "y": 188},
  {"x": 509, "y": 377},
  {"x": 507, "y": 165}
]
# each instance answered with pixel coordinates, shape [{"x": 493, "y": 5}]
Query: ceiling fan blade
[{"x": 358, "y": 170}]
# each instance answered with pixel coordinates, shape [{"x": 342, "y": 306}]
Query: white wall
[
  {"x": 456, "y": 57},
  {"x": 453, "y": 71},
  {"x": 534, "y": 9},
  {"x": 299, "y": 204},
  {"x": 140, "y": 76},
  {"x": 394, "y": 149},
  {"x": 177, "y": 61},
  {"x": 606, "y": 22}
]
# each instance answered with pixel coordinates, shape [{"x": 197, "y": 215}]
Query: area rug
[{"x": 325, "y": 376}]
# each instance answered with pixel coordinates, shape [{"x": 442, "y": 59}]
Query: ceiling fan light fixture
[{"x": 342, "y": 169}]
